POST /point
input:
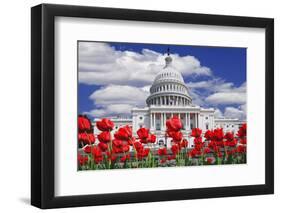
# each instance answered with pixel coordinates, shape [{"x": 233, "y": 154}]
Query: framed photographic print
[{"x": 141, "y": 106}]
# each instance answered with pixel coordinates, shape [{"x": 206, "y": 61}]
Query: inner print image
[{"x": 156, "y": 105}]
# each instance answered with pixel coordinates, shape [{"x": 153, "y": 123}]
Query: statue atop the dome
[{"x": 168, "y": 59}]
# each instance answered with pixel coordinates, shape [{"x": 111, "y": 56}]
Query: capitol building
[{"x": 169, "y": 96}]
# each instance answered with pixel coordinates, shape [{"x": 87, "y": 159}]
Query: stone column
[
  {"x": 150, "y": 120},
  {"x": 164, "y": 120},
  {"x": 189, "y": 120},
  {"x": 186, "y": 121},
  {"x": 154, "y": 123},
  {"x": 196, "y": 121},
  {"x": 161, "y": 121}
]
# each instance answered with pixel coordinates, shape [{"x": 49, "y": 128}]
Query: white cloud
[
  {"x": 232, "y": 112},
  {"x": 227, "y": 98},
  {"x": 115, "y": 94},
  {"x": 101, "y": 64},
  {"x": 111, "y": 110},
  {"x": 218, "y": 113},
  {"x": 117, "y": 100},
  {"x": 227, "y": 93}
]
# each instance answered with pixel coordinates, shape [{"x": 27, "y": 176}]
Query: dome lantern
[{"x": 168, "y": 87}]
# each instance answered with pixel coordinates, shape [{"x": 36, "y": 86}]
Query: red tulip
[
  {"x": 103, "y": 146},
  {"x": 171, "y": 157},
  {"x": 162, "y": 151},
  {"x": 242, "y": 132},
  {"x": 87, "y": 149},
  {"x": 229, "y": 136},
  {"x": 206, "y": 150},
  {"x": 125, "y": 157},
  {"x": 142, "y": 153},
  {"x": 209, "y": 135},
  {"x": 218, "y": 134},
  {"x": 104, "y": 137},
  {"x": 174, "y": 124},
  {"x": 82, "y": 136},
  {"x": 163, "y": 160},
  {"x": 125, "y": 148},
  {"x": 97, "y": 154},
  {"x": 111, "y": 156},
  {"x": 243, "y": 141},
  {"x": 184, "y": 143},
  {"x": 124, "y": 133},
  {"x": 105, "y": 125},
  {"x": 82, "y": 159},
  {"x": 241, "y": 149},
  {"x": 175, "y": 149},
  {"x": 87, "y": 138},
  {"x": 151, "y": 138},
  {"x": 219, "y": 154},
  {"x": 143, "y": 133},
  {"x": 177, "y": 136},
  {"x": 169, "y": 133},
  {"x": 194, "y": 153},
  {"x": 138, "y": 146},
  {"x": 231, "y": 143},
  {"x": 209, "y": 160},
  {"x": 117, "y": 143},
  {"x": 196, "y": 132},
  {"x": 84, "y": 124}
]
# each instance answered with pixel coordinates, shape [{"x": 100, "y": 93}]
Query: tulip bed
[{"x": 122, "y": 150}]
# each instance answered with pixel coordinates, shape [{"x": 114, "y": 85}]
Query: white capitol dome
[{"x": 168, "y": 88}]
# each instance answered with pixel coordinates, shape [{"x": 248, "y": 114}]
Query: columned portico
[{"x": 159, "y": 115}]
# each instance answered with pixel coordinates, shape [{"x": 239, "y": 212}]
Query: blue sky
[{"x": 216, "y": 76}]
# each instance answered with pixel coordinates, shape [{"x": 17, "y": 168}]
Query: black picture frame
[{"x": 43, "y": 102}]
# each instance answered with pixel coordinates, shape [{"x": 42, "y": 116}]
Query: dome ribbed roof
[
  {"x": 169, "y": 73},
  {"x": 169, "y": 88}
]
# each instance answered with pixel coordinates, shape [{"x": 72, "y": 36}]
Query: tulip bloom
[
  {"x": 142, "y": 153},
  {"x": 82, "y": 159},
  {"x": 177, "y": 136},
  {"x": 242, "y": 132},
  {"x": 87, "y": 149},
  {"x": 174, "y": 124},
  {"x": 218, "y": 134},
  {"x": 196, "y": 132},
  {"x": 97, "y": 154},
  {"x": 209, "y": 135},
  {"x": 184, "y": 143},
  {"x": 143, "y": 133},
  {"x": 124, "y": 133},
  {"x": 175, "y": 149},
  {"x": 229, "y": 136},
  {"x": 104, "y": 137},
  {"x": 209, "y": 160},
  {"x": 125, "y": 157},
  {"x": 105, "y": 125},
  {"x": 151, "y": 138},
  {"x": 103, "y": 146},
  {"x": 84, "y": 124},
  {"x": 162, "y": 151}
]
